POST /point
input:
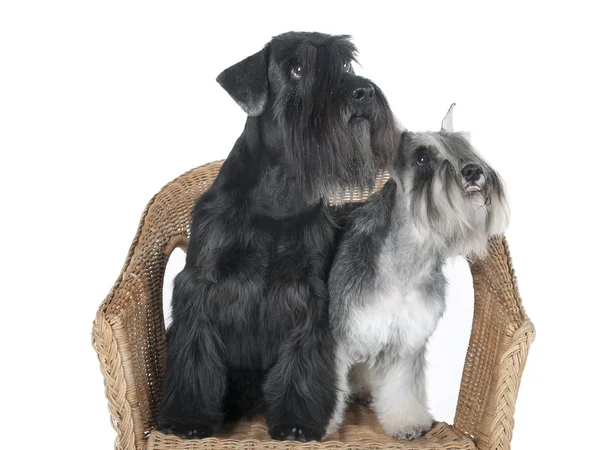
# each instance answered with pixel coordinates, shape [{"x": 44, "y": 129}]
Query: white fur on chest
[{"x": 395, "y": 320}]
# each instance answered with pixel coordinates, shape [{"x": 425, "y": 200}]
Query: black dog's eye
[
  {"x": 297, "y": 72},
  {"x": 422, "y": 158},
  {"x": 347, "y": 67}
]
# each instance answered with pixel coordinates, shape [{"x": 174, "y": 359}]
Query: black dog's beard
[
  {"x": 385, "y": 132},
  {"x": 338, "y": 150},
  {"x": 364, "y": 164}
]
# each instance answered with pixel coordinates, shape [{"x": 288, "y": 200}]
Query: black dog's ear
[{"x": 247, "y": 83}]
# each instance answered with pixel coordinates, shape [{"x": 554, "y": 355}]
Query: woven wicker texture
[
  {"x": 129, "y": 338},
  {"x": 360, "y": 430}
]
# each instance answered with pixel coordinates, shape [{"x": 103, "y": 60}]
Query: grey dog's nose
[
  {"x": 365, "y": 92},
  {"x": 471, "y": 172}
]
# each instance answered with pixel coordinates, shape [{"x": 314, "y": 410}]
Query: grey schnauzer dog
[{"x": 387, "y": 287}]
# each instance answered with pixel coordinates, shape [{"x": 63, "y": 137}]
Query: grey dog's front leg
[
  {"x": 343, "y": 365},
  {"x": 399, "y": 396},
  {"x": 361, "y": 384}
]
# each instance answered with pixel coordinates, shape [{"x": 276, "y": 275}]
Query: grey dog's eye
[
  {"x": 297, "y": 72},
  {"x": 347, "y": 67},
  {"x": 422, "y": 158}
]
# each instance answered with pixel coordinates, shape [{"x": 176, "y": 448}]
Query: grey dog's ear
[
  {"x": 447, "y": 124},
  {"x": 247, "y": 83}
]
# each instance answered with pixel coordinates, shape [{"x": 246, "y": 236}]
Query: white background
[{"x": 102, "y": 103}]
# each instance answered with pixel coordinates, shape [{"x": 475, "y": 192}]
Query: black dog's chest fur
[{"x": 273, "y": 269}]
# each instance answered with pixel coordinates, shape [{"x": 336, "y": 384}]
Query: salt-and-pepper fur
[{"x": 387, "y": 287}]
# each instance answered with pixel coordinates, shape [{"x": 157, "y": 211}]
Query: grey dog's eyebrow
[{"x": 432, "y": 150}]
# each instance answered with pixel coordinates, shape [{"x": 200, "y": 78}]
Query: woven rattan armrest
[
  {"x": 129, "y": 330},
  {"x": 501, "y": 335},
  {"x": 129, "y": 338}
]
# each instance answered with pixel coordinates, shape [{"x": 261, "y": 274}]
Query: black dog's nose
[
  {"x": 364, "y": 92},
  {"x": 471, "y": 172}
]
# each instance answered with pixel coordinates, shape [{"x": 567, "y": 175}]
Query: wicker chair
[{"x": 129, "y": 337}]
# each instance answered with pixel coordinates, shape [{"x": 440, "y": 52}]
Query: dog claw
[
  {"x": 188, "y": 432},
  {"x": 411, "y": 432},
  {"x": 285, "y": 433}
]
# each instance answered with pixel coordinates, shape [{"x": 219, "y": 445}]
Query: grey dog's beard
[{"x": 454, "y": 223}]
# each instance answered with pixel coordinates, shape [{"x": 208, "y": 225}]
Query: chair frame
[{"x": 129, "y": 337}]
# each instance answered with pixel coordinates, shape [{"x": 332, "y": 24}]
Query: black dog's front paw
[
  {"x": 293, "y": 433},
  {"x": 188, "y": 430}
]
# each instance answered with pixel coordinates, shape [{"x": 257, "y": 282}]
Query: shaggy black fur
[{"x": 250, "y": 309}]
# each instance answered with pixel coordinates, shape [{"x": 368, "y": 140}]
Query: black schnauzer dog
[{"x": 250, "y": 325}]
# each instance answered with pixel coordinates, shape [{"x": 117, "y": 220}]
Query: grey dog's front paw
[
  {"x": 362, "y": 398},
  {"x": 411, "y": 432}
]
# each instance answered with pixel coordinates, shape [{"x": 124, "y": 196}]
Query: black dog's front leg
[
  {"x": 195, "y": 377},
  {"x": 300, "y": 388}
]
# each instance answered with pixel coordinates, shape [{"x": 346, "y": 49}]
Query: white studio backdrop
[{"x": 102, "y": 103}]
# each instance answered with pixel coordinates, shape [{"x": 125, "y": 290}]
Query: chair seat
[{"x": 360, "y": 430}]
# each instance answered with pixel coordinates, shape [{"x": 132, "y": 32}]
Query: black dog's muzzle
[
  {"x": 361, "y": 97},
  {"x": 364, "y": 93}
]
